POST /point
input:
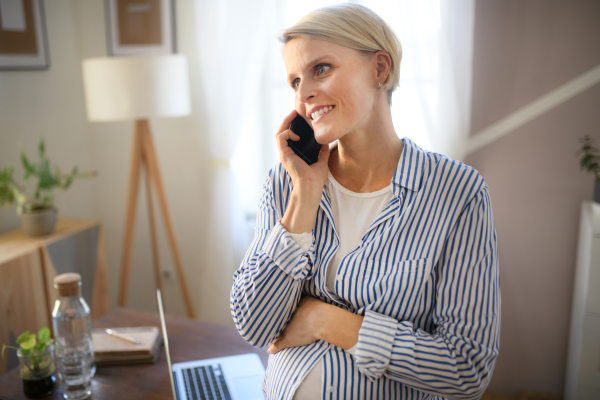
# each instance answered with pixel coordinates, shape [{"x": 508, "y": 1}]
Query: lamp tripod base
[{"x": 144, "y": 155}]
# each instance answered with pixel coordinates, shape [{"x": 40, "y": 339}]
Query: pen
[{"x": 120, "y": 336}]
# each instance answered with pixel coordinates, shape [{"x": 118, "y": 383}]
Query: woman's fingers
[
  {"x": 283, "y": 137},
  {"x": 284, "y": 133},
  {"x": 300, "y": 330},
  {"x": 287, "y": 121},
  {"x": 323, "y": 154},
  {"x": 276, "y": 346},
  {"x": 285, "y": 150}
]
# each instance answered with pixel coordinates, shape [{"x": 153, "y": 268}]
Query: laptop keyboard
[{"x": 205, "y": 383}]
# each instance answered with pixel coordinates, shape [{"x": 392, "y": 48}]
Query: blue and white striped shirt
[{"x": 424, "y": 276}]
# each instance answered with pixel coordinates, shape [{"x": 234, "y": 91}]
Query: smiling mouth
[{"x": 314, "y": 116}]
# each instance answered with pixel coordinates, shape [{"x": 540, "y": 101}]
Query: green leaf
[
  {"x": 585, "y": 159},
  {"x": 44, "y": 334},
  {"x": 8, "y": 186},
  {"x": 29, "y": 169},
  {"x": 47, "y": 342},
  {"x": 23, "y": 337},
  {"x": 28, "y": 342},
  {"x": 7, "y": 347},
  {"x": 42, "y": 148},
  {"x": 47, "y": 181},
  {"x": 40, "y": 346}
]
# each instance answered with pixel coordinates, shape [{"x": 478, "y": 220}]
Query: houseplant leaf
[
  {"x": 27, "y": 340},
  {"x": 44, "y": 334}
]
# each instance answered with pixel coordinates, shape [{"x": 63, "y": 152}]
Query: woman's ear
[{"x": 383, "y": 63}]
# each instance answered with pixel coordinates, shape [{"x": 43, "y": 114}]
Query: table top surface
[
  {"x": 16, "y": 243},
  {"x": 188, "y": 340}
]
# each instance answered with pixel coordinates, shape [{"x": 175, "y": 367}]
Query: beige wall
[
  {"x": 51, "y": 103},
  {"x": 522, "y": 50}
]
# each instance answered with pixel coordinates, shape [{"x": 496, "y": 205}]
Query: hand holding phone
[{"x": 307, "y": 147}]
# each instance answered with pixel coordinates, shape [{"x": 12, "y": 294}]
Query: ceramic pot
[
  {"x": 38, "y": 372},
  {"x": 39, "y": 222}
]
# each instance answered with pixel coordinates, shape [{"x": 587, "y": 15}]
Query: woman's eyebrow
[{"x": 309, "y": 64}]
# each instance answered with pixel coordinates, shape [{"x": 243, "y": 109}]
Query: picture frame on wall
[
  {"x": 23, "y": 37},
  {"x": 140, "y": 27}
]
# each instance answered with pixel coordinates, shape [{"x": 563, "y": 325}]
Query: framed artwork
[
  {"x": 140, "y": 27},
  {"x": 23, "y": 38}
]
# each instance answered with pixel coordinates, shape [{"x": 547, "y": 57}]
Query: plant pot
[
  {"x": 597, "y": 191},
  {"x": 38, "y": 372},
  {"x": 39, "y": 222}
]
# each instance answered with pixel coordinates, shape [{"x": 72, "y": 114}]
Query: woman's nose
[{"x": 306, "y": 91}]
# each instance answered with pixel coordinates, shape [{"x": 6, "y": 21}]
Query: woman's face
[{"x": 335, "y": 86}]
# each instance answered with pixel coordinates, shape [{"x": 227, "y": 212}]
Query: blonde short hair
[{"x": 353, "y": 26}]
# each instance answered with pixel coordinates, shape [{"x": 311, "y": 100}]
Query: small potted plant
[
  {"x": 36, "y": 361},
  {"x": 37, "y": 213},
  {"x": 590, "y": 160}
]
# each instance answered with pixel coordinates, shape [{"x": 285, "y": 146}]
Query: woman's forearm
[
  {"x": 301, "y": 212},
  {"x": 338, "y": 327}
]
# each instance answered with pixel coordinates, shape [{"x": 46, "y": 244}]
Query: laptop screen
[{"x": 166, "y": 340}]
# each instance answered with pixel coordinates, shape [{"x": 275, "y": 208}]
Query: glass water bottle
[{"x": 72, "y": 330}]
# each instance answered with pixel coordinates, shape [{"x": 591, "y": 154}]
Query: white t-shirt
[{"x": 353, "y": 214}]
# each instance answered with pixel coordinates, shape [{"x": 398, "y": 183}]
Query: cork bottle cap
[{"x": 67, "y": 284}]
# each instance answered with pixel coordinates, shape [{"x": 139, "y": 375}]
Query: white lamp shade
[{"x": 126, "y": 88}]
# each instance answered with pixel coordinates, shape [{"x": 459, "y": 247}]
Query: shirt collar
[{"x": 409, "y": 171}]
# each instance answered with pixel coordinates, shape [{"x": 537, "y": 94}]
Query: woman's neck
[{"x": 365, "y": 159}]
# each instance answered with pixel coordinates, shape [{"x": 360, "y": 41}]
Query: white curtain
[
  {"x": 233, "y": 44},
  {"x": 433, "y": 104},
  {"x": 246, "y": 93}
]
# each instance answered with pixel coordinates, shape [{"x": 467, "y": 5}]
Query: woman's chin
[{"x": 325, "y": 137}]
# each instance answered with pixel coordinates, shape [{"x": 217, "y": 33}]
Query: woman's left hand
[{"x": 303, "y": 328}]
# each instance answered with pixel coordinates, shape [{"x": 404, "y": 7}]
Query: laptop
[{"x": 226, "y": 378}]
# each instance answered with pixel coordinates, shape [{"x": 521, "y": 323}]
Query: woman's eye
[
  {"x": 296, "y": 84},
  {"x": 321, "y": 69}
]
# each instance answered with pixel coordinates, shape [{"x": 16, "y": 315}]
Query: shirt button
[
  {"x": 339, "y": 278},
  {"x": 330, "y": 389}
]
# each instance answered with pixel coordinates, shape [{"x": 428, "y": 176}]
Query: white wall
[{"x": 52, "y": 102}]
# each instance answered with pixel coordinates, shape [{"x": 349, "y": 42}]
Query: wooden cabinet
[
  {"x": 28, "y": 266},
  {"x": 582, "y": 381}
]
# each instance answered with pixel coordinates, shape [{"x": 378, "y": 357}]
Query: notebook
[
  {"x": 109, "y": 350},
  {"x": 226, "y": 378}
]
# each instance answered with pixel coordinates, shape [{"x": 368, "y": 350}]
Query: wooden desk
[
  {"x": 188, "y": 340},
  {"x": 28, "y": 266}
]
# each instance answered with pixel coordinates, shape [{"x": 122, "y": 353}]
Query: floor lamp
[{"x": 139, "y": 88}]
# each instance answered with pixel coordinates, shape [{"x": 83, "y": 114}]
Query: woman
[{"x": 374, "y": 271}]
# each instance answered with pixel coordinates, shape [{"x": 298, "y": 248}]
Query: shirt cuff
[
  {"x": 304, "y": 240},
  {"x": 287, "y": 254},
  {"x": 375, "y": 341}
]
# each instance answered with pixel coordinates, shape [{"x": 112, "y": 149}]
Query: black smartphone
[{"x": 307, "y": 148}]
